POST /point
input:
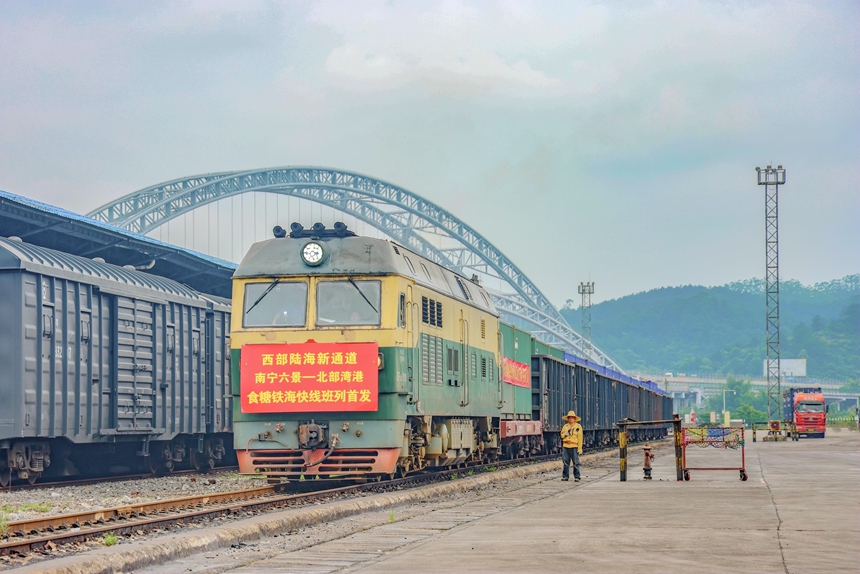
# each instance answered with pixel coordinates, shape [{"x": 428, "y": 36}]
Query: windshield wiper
[
  {"x": 363, "y": 296},
  {"x": 263, "y": 294}
]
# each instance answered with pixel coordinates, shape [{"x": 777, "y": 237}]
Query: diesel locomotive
[{"x": 356, "y": 357}]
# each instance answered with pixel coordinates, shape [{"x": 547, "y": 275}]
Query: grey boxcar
[
  {"x": 104, "y": 364},
  {"x": 599, "y": 399}
]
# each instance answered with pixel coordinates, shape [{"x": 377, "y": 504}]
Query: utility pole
[
  {"x": 771, "y": 179},
  {"x": 586, "y": 290}
]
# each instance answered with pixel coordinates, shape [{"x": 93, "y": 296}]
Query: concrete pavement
[
  {"x": 798, "y": 512},
  {"x": 709, "y": 525}
]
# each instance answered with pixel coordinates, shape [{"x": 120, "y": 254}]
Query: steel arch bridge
[{"x": 402, "y": 215}]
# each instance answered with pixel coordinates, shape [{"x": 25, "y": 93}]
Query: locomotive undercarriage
[
  {"x": 440, "y": 442},
  {"x": 428, "y": 442},
  {"x": 437, "y": 442}
]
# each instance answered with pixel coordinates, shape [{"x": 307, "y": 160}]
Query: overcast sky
[{"x": 615, "y": 141}]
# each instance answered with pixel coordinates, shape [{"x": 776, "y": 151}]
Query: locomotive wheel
[
  {"x": 399, "y": 472},
  {"x": 5, "y": 476}
]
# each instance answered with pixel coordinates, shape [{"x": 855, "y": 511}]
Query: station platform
[{"x": 799, "y": 511}]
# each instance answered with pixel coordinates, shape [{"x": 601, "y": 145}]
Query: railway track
[{"x": 24, "y": 536}]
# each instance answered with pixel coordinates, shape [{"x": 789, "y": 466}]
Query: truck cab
[{"x": 805, "y": 407}]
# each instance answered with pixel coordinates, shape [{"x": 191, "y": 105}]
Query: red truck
[{"x": 805, "y": 408}]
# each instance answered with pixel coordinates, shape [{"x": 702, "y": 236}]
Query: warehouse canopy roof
[{"x": 48, "y": 226}]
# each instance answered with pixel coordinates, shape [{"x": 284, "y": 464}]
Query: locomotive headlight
[{"x": 313, "y": 253}]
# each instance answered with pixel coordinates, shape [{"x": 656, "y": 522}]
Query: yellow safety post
[
  {"x": 679, "y": 449},
  {"x": 622, "y": 455}
]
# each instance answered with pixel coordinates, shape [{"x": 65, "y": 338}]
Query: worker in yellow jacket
[{"x": 571, "y": 442}]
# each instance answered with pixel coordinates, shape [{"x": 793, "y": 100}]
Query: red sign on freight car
[
  {"x": 309, "y": 377},
  {"x": 515, "y": 373}
]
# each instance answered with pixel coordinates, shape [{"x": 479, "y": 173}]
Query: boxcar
[
  {"x": 105, "y": 364},
  {"x": 600, "y": 396}
]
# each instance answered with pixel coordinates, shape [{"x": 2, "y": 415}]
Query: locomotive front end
[{"x": 317, "y": 345}]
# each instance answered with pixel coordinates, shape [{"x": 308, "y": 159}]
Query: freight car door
[{"x": 133, "y": 385}]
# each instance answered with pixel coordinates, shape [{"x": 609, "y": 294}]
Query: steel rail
[{"x": 23, "y": 535}]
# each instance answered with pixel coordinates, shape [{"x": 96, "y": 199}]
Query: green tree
[
  {"x": 851, "y": 387},
  {"x": 695, "y": 329},
  {"x": 749, "y": 414},
  {"x": 743, "y": 399}
]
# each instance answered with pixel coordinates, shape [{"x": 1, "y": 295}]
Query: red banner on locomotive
[
  {"x": 309, "y": 377},
  {"x": 516, "y": 373}
]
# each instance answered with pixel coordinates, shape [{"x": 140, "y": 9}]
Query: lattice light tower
[
  {"x": 586, "y": 290},
  {"x": 771, "y": 178}
]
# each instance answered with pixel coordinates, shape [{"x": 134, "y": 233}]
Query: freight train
[
  {"x": 107, "y": 368},
  {"x": 356, "y": 357}
]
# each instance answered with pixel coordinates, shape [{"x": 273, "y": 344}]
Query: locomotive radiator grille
[{"x": 296, "y": 463}]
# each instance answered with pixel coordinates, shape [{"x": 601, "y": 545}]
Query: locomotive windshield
[
  {"x": 348, "y": 302},
  {"x": 274, "y": 303},
  {"x": 810, "y": 407}
]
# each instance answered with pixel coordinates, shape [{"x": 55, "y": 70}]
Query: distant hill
[{"x": 695, "y": 329}]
